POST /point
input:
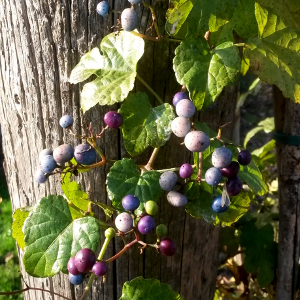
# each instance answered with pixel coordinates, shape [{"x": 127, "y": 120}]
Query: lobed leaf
[
  {"x": 19, "y": 217},
  {"x": 144, "y": 126}
]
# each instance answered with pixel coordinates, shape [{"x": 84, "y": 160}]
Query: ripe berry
[
  {"x": 213, "y": 176},
  {"x": 40, "y": 176},
  {"x": 234, "y": 186},
  {"x": 48, "y": 164},
  {"x": 221, "y": 157},
  {"x": 244, "y": 157},
  {"x": 76, "y": 279},
  {"x": 63, "y": 153},
  {"x": 102, "y": 8},
  {"x": 186, "y": 171},
  {"x": 124, "y": 222},
  {"x": 129, "y": 19},
  {"x": 66, "y": 121},
  {"x": 130, "y": 202},
  {"x": 181, "y": 126},
  {"x": 161, "y": 229},
  {"x": 185, "y": 108},
  {"x": 135, "y": 1},
  {"x": 71, "y": 266},
  {"x": 178, "y": 97},
  {"x": 217, "y": 207},
  {"x": 196, "y": 141},
  {"x": 85, "y": 154},
  {"x": 167, "y": 247},
  {"x": 167, "y": 180},
  {"x": 176, "y": 199},
  {"x": 84, "y": 260},
  {"x": 232, "y": 170},
  {"x": 146, "y": 224},
  {"x": 151, "y": 207},
  {"x": 99, "y": 268},
  {"x": 113, "y": 119},
  {"x": 44, "y": 153}
]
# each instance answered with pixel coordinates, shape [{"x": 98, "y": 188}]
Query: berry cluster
[
  {"x": 84, "y": 154},
  {"x": 83, "y": 262},
  {"x": 126, "y": 221}
]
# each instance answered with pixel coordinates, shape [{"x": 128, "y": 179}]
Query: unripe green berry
[
  {"x": 151, "y": 207},
  {"x": 161, "y": 230},
  {"x": 110, "y": 233}
]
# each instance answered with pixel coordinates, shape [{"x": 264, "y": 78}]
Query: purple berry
[
  {"x": 217, "y": 207},
  {"x": 181, "y": 126},
  {"x": 232, "y": 170},
  {"x": 130, "y": 202},
  {"x": 66, "y": 121},
  {"x": 167, "y": 180},
  {"x": 113, "y": 119},
  {"x": 48, "y": 164},
  {"x": 40, "y": 176},
  {"x": 244, "y": 157},
  {"x": 44, "y": 153},
  {"x": 221, "y": 157},
  {"x": 176, "y": 199},
  {"x": 124, "y": 222},
  {"x": 146, "y": 224},
  {"x": 234, "y": 186},
  {"x": 186, "y": 171},
  {"x": 76, "y": 279},
  {"x": 129, "y": 19},
  {"x": 213, "y": 176},
  {"x": 179, "y": 96},
  {"x": 99, "y": 268},
  {"x": 63, "y": 153},
  {"x": 102, "y": 8},
  {"x": 196, "y": 141},
  {"x": 85, "y": 154},
  {"x": 71, "y": 266},
  {"x": 167, "y": 247},
  {"x": 185, "y": 108},
  {"x": 84, "y": 260}
]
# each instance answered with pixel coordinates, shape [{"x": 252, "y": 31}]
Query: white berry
[
  {"x": 124, "y": 222},
  {"x": 167, "y": 180},
  {"x": 196, "y": 141},
  {"x": 181, "y": 126},
  {"x": 221, "y": 157},
  {"x": 185, "y": 108},
  {"x": 176, "y": 199}
]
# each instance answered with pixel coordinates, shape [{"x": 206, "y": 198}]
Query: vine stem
[
  {"x": 153, "y": 18},
  {"x": 200, "y": 167},
  {"x": 155, "y": 39},
  {"x": 240, "y": 45},
  {"x": 93, "y": 276},
  {"x": 166, "y": 170},
  {"x": 152, "y": 158},
  {"x": 149, "y": 88}
]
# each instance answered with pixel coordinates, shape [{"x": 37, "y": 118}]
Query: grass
[{"x": 9, "y": 264}]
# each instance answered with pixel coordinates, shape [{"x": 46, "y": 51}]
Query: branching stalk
[{"x": 152, "y": 158}]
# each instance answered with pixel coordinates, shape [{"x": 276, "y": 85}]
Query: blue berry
[
  {"x": 146, "y": 224},
  {"x": 66, "y": 121},
  {"x": 85, "y": 154},
  {"x": 130, "y": 202},
  {"x": 102, "y": 8},
  {"x": 129, "y": 19},
  {"x": 213, "y": 176},
  {"x": 44, "y": 153},
  {"x": 221, "y": 157},
  {"x": 179, "y": 96},
  {"x": 40, "y": 176},
  {"x": 217, "y": 207},
  {"x": 76, "y": 279},
  {"x": 63, "y": 153},
  {"x": 48, "y": 164}
]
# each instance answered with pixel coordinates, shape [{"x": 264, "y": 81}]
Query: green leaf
[
  {"x": 262, "y": 151},
  {"x": 148, "y": 289},
  {"x": 52, "y": 237},
  {"x": 115, "y": 69},
  {"x": 274, "y": 56},
  {"x": 19, "y": 217},
  {"x": 259, "y": 241},
  {"x": 144, "y": 126},
  {"x": 125, "y": 178},
  {"x": 205, "y": 73},
  {"x": 201, "y": 208}
]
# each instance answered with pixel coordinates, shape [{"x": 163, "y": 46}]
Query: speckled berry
[
  {"x": 213, "y": 176},
  {"x": 44, "y": 153},
  {"x": 40, "y": 176},
  {"x": 66, "y": 121},
  {"x": 63, "y": 153},
  {"x": 186, "y": 171},
  {"x": 102, "y": 8},
  {"x": 129, "y": 19},
  {"x": 185, "y": 108},
  {"x": 48, "y": 164},
  {"x": 176, "y": 199},
  {"x": 178, "y": 97},
  {"x": 124, "y": 222},
  {"x": 181, "y": 126},
  {"x": 221, "y": 157},
  {"x": 196, "y": 141},
  {"x": 167, "y": 180},
  {"x": 85, "y": 154}
]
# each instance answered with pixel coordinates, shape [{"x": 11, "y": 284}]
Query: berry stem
[
  {"x": 166, "y": 170},
  {"x": 149, "y": 88},
  {"x": 155, "y": 39},
  {"x": 200, "y": 167},
  {"x": 152, "y": 158}
]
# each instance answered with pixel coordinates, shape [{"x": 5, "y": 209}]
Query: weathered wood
[
  {"x": 40, "y": 43},
  {"x": 287, "y": 115}
]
